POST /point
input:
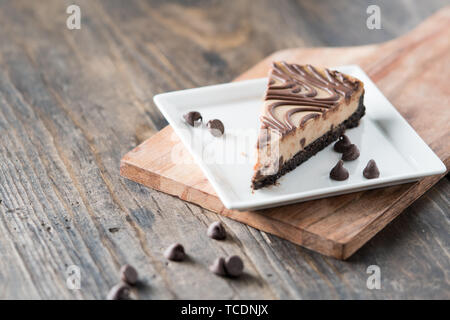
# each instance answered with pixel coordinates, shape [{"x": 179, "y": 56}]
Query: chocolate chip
[
  {"x": 216, "y": 231},
  {"x": 342, "y": 144},
  {"x": 193, "y": 118},
  {"x": 218, "y": 267},
  {"x": 128, "y": 274},
  {"x": 120, "y": 291},
  {"x": 371, "y": 170},
  {"x": 216, "y": 127},
  {"x": 339, "y": 173},
  {"x": 175, "y": 252},
  {"x": 351, "y": 153},
  {"x": 234, "y": 266}
]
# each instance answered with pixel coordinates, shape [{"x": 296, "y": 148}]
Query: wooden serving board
[{"x": 412, "y": 71}]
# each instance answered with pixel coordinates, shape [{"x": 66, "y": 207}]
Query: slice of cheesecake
[{"x": 305, "y": 109}]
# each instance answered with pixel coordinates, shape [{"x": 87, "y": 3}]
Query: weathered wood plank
[{"x": 73, "y": 102}]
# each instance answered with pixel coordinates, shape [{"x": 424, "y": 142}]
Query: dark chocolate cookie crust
[{"x": 314, "y": 147}]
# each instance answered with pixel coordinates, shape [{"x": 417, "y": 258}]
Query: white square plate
[{"x": 401, "y": 155}]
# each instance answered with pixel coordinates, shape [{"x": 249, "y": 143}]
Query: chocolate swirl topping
[{"x": 305, "y": 89}]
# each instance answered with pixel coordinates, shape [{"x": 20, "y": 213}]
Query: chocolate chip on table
[
  {"x": 351, "y": 153},
  {"x": 371, "y": 170},
  {"x": 231, "y": 266},
  {"x": 216, "y": 127},
  {"x": 339, "y": 173},
  {"x": 128, "y": 274},
  {"x": 216, "y": 231},
  {"x": 193, "y": 118},
  {"x": 234, "y": 266},
  {"x": 175, "y": 252},
  {"x": 342, "y": 144},
  {"x": 120, "y": 291},
  {"x": 218, "y": 267}
]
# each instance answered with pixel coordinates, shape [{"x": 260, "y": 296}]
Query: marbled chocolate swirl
[{"x": 301, "y": 93}]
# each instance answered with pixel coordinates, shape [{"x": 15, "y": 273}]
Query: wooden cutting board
[{"x": 412, "y": 71}]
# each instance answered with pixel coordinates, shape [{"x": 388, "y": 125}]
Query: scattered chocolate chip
[
  {"x": 234, "y": 266},
  {"x": 216, "y": 127},
  {"x": 216, "y": 231},
  {"x": 342, "y": 144},
  {"x": 128, "y": 274},
  {"x": 193, "y": 118},
  {"x": 218, "y": 267},
  {"x": 351, "y": 153},
  {"x": 120, "y": 291},
  {"x": 175, "y": 252},
  {"x": 339, "y": 173},
  {"x": 231, "y": 267},
  {"x": 371, "y": 170}
]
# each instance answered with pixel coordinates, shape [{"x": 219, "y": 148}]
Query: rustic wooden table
[{"x": 72, "y": 102}]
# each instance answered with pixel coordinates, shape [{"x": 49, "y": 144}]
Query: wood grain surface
[{"x": 73, "y": 102}]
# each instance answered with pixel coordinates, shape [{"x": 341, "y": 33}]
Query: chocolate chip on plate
[
  {"x": 371, "y": 170},
  {"x": 128, "y": 274},
  {"x": 216, "y": 231},
  {"x": 351, "y": 153},
  {"x": 218, "y": 267},
  {"x": 339, "y": 173},
  {"x": 234, "y": 266},
  {"x": 193, "y": 118},
  {"x": 120, "y": 291},
  {"x": 342, "y": 144},
  {"x": 175, "y": 252},
  {"x": 216, "y": 127}
]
